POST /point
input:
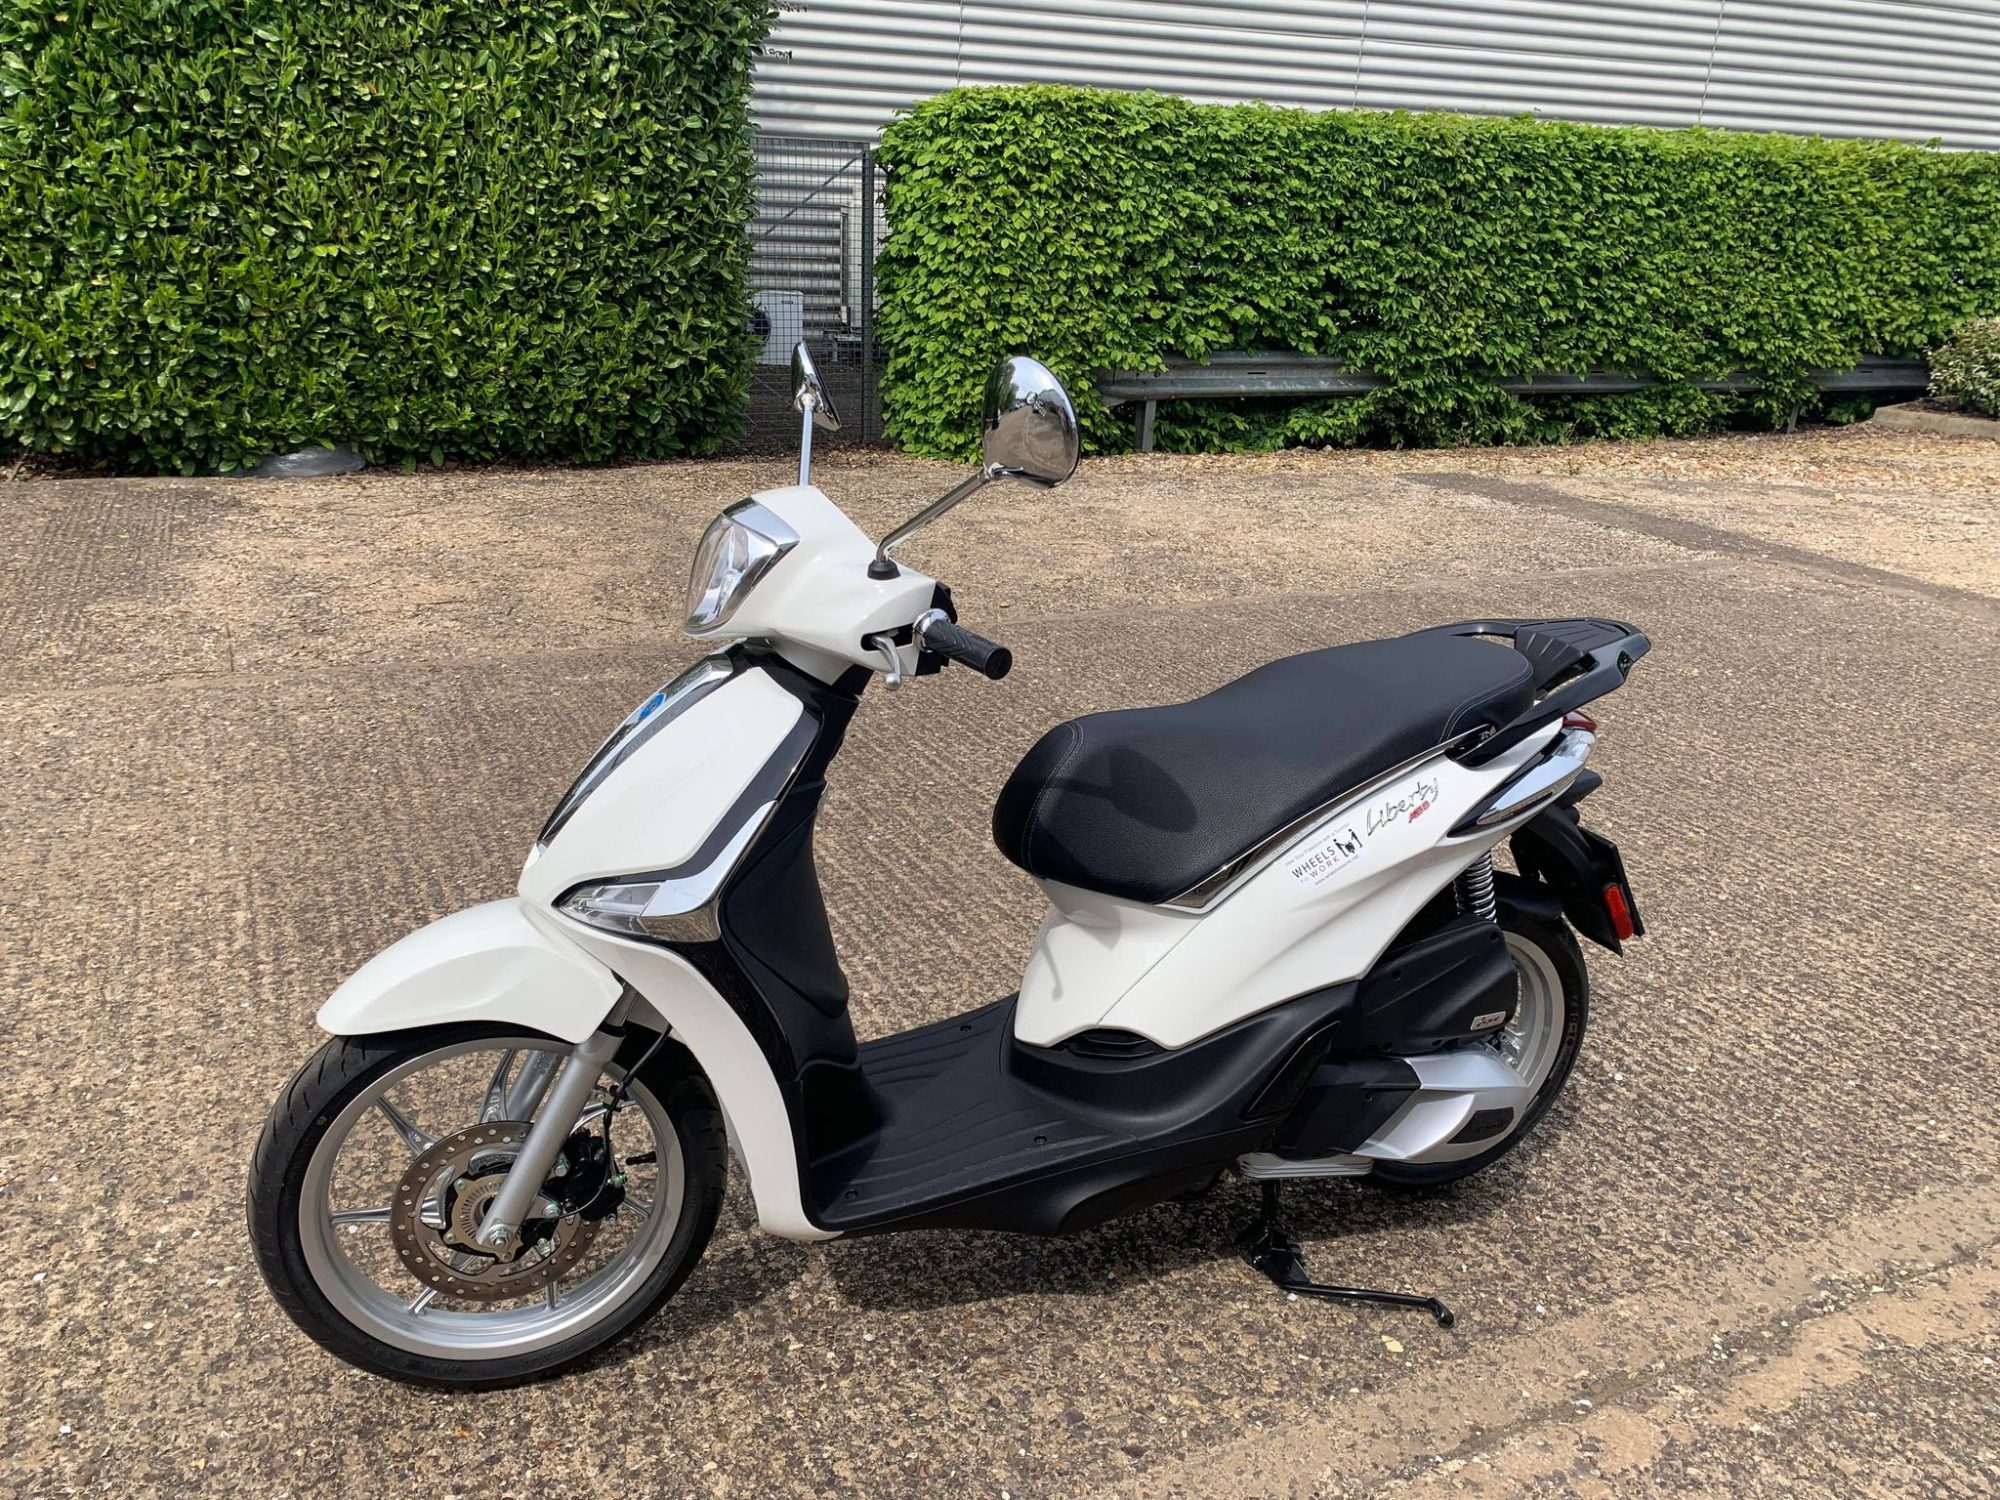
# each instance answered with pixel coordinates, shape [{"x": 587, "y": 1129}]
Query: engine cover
[{"x": 1453, "y": 984}]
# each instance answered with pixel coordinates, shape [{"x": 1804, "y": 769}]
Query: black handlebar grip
[{"x": 989, "y": 658}]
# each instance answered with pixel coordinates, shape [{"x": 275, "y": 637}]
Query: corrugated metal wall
[{"x": 840, "y": 68}]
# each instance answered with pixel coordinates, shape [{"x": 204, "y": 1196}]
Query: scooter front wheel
[{"x": 379, "y": 1159}]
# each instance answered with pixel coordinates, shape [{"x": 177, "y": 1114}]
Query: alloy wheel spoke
[
  {"x": 420, "y": 1303},
  {"x": 552, "y": 1294},
  {"x": 361, "y": 1215},
  {"x": 414, "y": 1136},
  {"x": 494, "y": 1106},
  {"x": 638, "y": 1206}
]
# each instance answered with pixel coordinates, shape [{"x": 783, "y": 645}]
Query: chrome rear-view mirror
[
  {"x": 1027, "y": 430},
  {"x": 810, "y": 397}
]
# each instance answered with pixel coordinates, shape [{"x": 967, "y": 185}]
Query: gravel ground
[{"x": 255, "y": 730}]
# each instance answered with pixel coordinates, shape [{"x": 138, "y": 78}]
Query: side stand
[{"x": 1266, "y": 1246}]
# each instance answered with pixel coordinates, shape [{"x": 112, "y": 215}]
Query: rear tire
[
  {"x": 344, "y": 1073},
  {"x": 1555, "y": 944}
]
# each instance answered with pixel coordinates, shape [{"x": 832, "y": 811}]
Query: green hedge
[
  {"x": 469, "y": 227},
  {"x": 1103, "y": 230},
  {"x": 1965, "y": 368}
]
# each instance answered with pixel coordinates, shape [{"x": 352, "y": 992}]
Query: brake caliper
[{"x": 590, "y": 1188}]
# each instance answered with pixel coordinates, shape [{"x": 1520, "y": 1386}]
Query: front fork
[{"x": 566, "y": 1100}]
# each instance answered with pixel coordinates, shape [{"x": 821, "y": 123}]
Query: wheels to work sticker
[{"x": 1325, "y": 855}]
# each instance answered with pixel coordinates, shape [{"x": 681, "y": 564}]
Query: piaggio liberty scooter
[{"x": 1276, "y": 945}]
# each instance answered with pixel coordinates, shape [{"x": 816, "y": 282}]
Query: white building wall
[{"x": 1893, "y": 68}]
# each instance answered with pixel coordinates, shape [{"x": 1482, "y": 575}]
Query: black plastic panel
[
  {"x": 775, "y": 963},
  {"x": 1484, "y": 1126},
  {"x": 773, "y": 916},
  {"x": 1426, "y": 991},
  {"x": 980, "y": 1131},
  {"x": 1346, "y": 1103},
  {"x": 1577, "y": 864}
]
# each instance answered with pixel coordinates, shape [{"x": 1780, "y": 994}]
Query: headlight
[
  {"x": 679, "y": 908},
  {"x": 740, "y": 546}
]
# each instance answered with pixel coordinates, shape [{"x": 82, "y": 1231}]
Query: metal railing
[{"x": 1284, "y": 374}]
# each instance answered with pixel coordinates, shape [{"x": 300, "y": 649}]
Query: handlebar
[{"x": 936, "y": 632}]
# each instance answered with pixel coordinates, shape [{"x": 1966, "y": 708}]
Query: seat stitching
[
  {"x": 1485, "y": 693},
  {"x": 1035, "y": 812}
]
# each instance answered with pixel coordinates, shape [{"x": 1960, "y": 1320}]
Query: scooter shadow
[
  {"x": 946, "y": 1268},
  {"x": 936, "y": 1269},
  {"x": 742, "y": 1269}
]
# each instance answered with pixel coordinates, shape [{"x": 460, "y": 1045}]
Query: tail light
[
  {"x": 1575, "y": 719},
  {"x": 1619, "y": 910}
]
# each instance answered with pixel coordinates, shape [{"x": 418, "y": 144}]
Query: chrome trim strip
[
  {"x": 683, "y": 909},
  {"x": 1533, "y": 787},
  {"x": 1214, "y": 889},
  {"x": 772, "y": 527},
  {"x": 760, "y": 521},
  {"x": 682, "y": 906}
]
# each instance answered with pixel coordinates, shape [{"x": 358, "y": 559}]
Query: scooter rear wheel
[
  {"x": 1541, "y": 1042},
  {"x": 380, "y": 1156}
]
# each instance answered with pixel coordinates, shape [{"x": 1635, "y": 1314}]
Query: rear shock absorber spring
[{"x": 1474, "y": 889}]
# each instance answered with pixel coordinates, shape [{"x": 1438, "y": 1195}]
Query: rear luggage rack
[{"x": 1574, "y": 661}]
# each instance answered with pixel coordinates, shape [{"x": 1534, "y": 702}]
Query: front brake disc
[{"x": 443, "y": 1198}]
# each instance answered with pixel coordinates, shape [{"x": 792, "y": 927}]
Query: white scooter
[{"x": 1276, "y": 945}]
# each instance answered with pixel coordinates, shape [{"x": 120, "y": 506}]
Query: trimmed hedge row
[
  {"x": 471, "y": 227},
  {"x": 1103, "y": 230},
  {"x": 1965, "y": 368}
]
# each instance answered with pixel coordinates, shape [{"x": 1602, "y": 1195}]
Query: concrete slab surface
[{"x": 255, "y": 730}]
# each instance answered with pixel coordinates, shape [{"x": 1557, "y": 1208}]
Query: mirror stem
[
  {"x": 882, "y": 567},
  {"x": 806, "y": 443}
]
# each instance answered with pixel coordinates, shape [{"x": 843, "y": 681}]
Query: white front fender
[
  {"x": 510, "y": 962},
  {"x": 486, "y": 963}
]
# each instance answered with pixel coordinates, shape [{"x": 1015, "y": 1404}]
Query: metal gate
[{"x": 812, "y": 277}]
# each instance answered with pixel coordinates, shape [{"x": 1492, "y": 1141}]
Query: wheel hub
[
  {"x": 445, "y": 1195},
  {"x": 471, "y": 1198}
]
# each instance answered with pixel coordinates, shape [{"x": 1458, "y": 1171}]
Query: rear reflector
[
  {"x": 1575, "y": 720},
  {"x": 1619, "y": 910}
]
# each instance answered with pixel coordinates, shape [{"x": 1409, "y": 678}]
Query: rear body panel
[{"x": 1318, "y": 911}]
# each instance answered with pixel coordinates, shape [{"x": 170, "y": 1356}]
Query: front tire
[
  {"x": 338, "y": 1131},
  {"x": 1549, "y": 961}
]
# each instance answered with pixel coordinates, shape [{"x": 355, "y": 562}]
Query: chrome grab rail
[{"x": 1535, "y": 785}]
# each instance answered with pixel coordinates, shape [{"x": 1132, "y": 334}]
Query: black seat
[{"x": 1146, "y": 803}]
